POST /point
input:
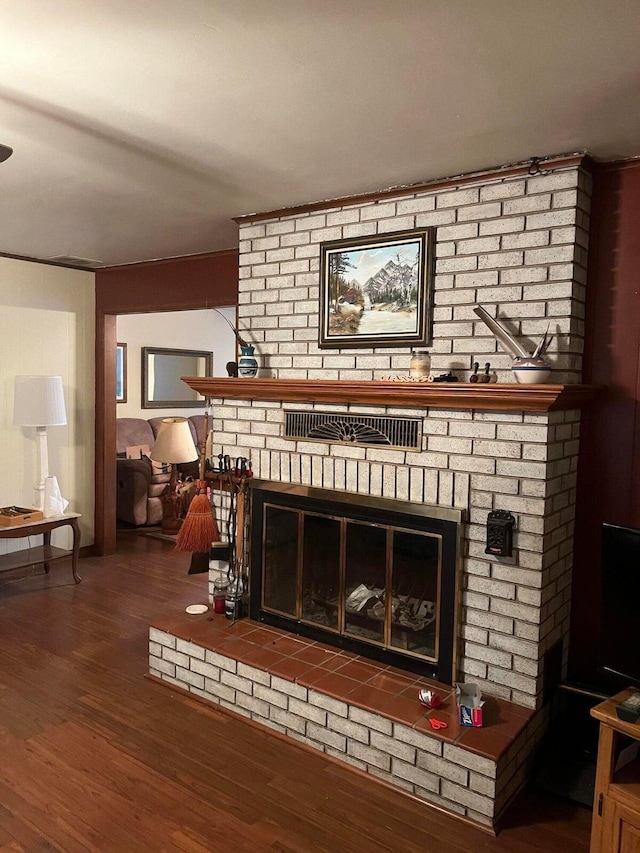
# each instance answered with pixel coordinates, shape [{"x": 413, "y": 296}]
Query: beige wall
[
  {"x": 47, "y": 327},
  {"x": 198, "y": 330}
]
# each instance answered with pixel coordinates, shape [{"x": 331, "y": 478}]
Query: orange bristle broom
[{"x": 199, "y": 528}]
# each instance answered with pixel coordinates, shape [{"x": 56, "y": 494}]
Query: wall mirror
[{"x": 161, "y": 372}]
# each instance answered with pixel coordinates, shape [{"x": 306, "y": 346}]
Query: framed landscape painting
[
  {"x": 376, "y": 291},
  {"x": 121, "y": 373}
]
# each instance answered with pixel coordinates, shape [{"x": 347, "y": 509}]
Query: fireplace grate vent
[{"x": 329, "y": 427}]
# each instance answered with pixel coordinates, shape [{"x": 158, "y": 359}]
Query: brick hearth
[{"x": 352, "y": 709}]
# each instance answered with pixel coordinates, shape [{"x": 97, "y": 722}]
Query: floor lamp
[
  {"x": 174, "y": 445},
  {"x": 39, "y": 402}
]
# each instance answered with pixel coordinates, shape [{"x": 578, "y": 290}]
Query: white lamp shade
[
  {"x": 39, "y": 401},
  {"x": 174, "y": 442}
]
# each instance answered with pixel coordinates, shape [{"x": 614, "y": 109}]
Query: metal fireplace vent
[{"x": 331, "y": 428}]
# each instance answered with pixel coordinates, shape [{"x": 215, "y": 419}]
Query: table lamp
[
  {"x": 173, "y": 445},
  {"x": 39, "y": 402}
]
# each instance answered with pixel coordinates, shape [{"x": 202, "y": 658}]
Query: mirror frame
[{"x": 185, "y": 403}]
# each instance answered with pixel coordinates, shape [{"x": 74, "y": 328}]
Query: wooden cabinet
[{"x": 616, "y": 807}]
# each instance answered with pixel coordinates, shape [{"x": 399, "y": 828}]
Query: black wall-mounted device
[{"x": 500, "y": 533}]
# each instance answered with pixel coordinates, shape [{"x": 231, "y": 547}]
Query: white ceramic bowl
[{"x": 530, "y": 371}]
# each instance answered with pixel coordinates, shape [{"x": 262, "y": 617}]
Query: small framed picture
[
  {"x": 121, "y": 373},
  {"x": 376, "y": 291}
]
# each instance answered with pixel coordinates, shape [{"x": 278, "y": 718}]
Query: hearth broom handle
[
  {"x": 199, "y": 529},
  {"x": 240, "y": 579}
]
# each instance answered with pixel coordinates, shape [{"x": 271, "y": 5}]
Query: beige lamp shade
[
  {"x": 174, "y": 442},
  {"x": 39, "y": 401}
]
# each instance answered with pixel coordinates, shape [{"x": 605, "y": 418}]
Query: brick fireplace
[{"x": 515, "y": 243}]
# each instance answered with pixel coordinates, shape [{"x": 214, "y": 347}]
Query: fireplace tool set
[{"x": 234, "y": 477}]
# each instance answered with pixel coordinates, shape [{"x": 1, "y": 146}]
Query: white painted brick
[
  {"x": 343, "y": 217},
  {"x": 175, "y": 658},
  {"x": 551, "y": 255},
  {"x": 372, "y": 721},
  {"x": 457, "y": 198},
  {"x": 470, "y": 760},
  {"x": 220, "y": 691},
  {"x": 350, "y": 729},
  {"x": 482, "y": 785},
  {"x": 427, "y": 781},
  {"x": 310, "y": 712},
  {"x": 528, "y": 240},
  {"x": 456, "y": 264},
  {"x": 421, "y": 204},
  {"x": 525, "y": 275},
  {"x": 252, "y": 232},
  {"x": 398, "y": 223},
  {"x": 555, "y": 181},
  {"x": 512, "y": 679},
  {"x": 504, "y": 225},
  {"x": 310, "y": 223},
  {"x": 481, "y": 244},
  {"x": 290, "y": 688},
  {"x": 163, "y": 666},
  {"x": 383, "y": 210},
  {"x": 369, "y": 755},
  {"x": 445, "y": 769},
  {"x": 527, "y": 204},
  {"x": 206, "y": 669},
  {"x": 397, "y": 749},
  {"x": 190, "y": 649},
  {"x": 550, "y": 219},
  {"x": 420, "y": 740},
  {"x": 458, "y": 232},
  {"x": 490, "y": 620},
  {"x": 323, "y": 735},
  {"x": 242, "y": 685},
  {"x": 499, "y": 260},
  {"x": 253, "y": 704},
  {"x": 162, "y": 638},
  {"x": 155, "y": 649},
  {"x": 221, "y": 661},
  {"x": 192, "y": 678},
  {"x": 288, "y": 720},
  {"x": 479, "y": 211},
  {"x": 506, "y": 189}
]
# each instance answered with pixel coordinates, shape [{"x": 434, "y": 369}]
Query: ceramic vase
[
  {"x": 247, "y": 363},
  {"x": 529, "y": 371}
]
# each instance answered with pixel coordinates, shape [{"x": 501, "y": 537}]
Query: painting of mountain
[{"x": 374, "y": 291}]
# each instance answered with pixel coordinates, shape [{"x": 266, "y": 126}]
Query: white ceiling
[{"x": 141, "y": 127}]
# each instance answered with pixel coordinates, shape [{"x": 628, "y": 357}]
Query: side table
[
  {"x": 616, "y": 807},
  {"x": 46, "y": 553}
]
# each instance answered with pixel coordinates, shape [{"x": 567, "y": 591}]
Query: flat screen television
[{"x": 620, "y": 569}]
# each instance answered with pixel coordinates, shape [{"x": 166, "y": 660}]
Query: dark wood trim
[
  {"x": 508, "y": 397},
  {"x": 46, "y": 262},
  {"x": 190, "y": 283},
  {"x": 511, "y": 171}
]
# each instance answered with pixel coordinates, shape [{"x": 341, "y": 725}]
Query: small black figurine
[
  {"x": 474, "y": 375},
  {"x": 232, "y": 368}
]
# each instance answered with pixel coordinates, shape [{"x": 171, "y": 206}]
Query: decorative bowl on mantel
[{"x": 530, "y": 371}]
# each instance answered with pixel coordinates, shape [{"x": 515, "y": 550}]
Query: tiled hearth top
[{"x": 351, "y": 678}]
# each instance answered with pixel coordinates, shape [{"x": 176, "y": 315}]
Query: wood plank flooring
[{"x": 95, "y": 757}]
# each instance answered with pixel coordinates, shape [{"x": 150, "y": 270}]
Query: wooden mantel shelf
[{"x": 444, "y": 395}]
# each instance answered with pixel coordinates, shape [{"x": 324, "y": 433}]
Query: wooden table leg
[
  {"x": 76, "y": 549},
  {"x": 46, "y": 542}
]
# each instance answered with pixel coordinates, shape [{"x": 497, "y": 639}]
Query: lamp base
[{"x": 171, "y": 523}]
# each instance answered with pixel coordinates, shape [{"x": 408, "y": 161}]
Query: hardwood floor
[{"x": 95, "y": 757}]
